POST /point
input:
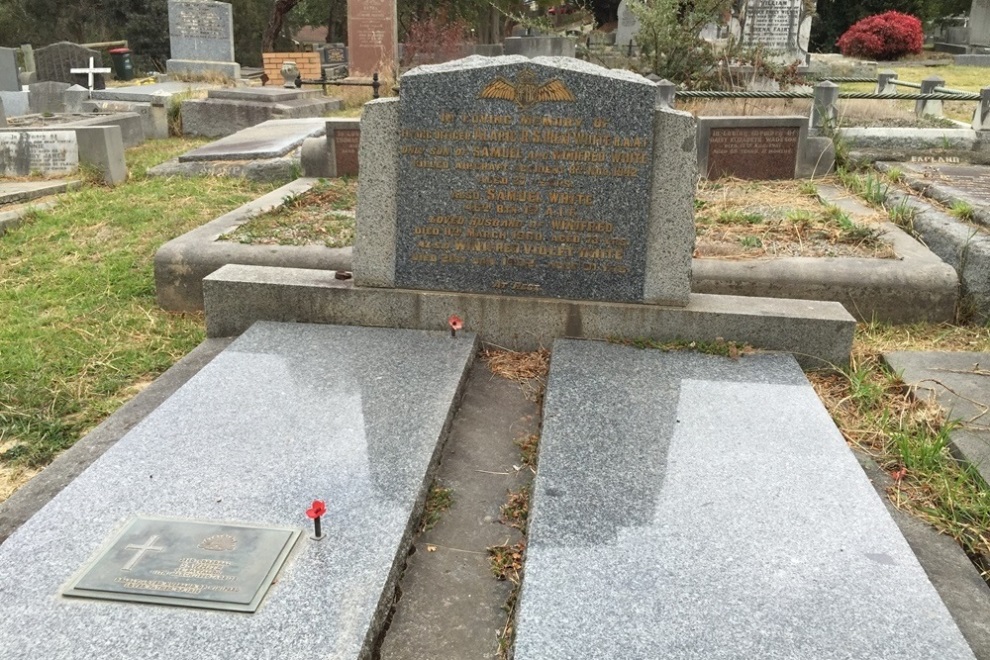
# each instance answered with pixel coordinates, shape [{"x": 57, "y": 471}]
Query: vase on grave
[{"x": 289, "y": 73}]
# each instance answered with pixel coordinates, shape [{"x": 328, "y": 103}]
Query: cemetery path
[{"x": 450, "y": 605}]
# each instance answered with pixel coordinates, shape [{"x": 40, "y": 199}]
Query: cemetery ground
[
  {"x": 82, "y": 335},
  {"x": 82, "y": 332}
]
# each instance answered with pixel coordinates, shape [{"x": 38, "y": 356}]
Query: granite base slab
[
  {"x": 817, "y": 333},
  {"x": 270, "y": 139},
  {"x": 958, "y": 382},
  {"x": 721, "y": 515},
  {"x": 287, "y": 414}
]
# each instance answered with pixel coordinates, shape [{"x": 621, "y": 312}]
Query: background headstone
[
  {"x": 55, "y": 63},
  {"x": 47, "y": 97},
  {"x": 74, "y": 97},
  {"x": 9, "y": 82},
  {"x": 201, "y": 37},
  {"x": 372, "y": 37},
  {"x": 628, "y": 27},
  {"x": 979, "y": 24},
  {"x": 3, "y": 115},
  {"x": 779, "y": 26}
]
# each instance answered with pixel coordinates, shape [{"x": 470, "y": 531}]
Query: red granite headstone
[
  {"x": 345, "y": 149},
  {"x": 373, "y": 41},
  {"x": 753, "y": 152}
]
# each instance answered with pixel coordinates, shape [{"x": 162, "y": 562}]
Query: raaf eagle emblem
[{"x": 524, "y": 92}]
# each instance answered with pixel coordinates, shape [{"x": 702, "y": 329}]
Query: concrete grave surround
[
  {"x": 690, "y": 521},
  {"x": 9, "y": 80},
  {"x": 56, "y": 61},
  {"x": 512, "y": 208},
  {"x": 762, "y": 148},
  {"x": 957, "y": 382},
  {"x": 150, "y": 93},
  {"x": 201, "y": 38},
  {"x": 628, "y": 27},
  {"x": 372, "y": 38},
  {"x": 287, "y": 414},
  {"x": 227, "y": 111},
  {"x": 269, "y": 139},
  {"x": 16, "y": 103},
  {"x": 540, "y": 46}
]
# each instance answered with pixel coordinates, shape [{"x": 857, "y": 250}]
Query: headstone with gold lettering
[{"x": 548, "y": 177}]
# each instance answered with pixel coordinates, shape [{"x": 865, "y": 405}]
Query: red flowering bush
[
  {"x": 886, "y": 36},
  {"x": 434, "y": 40}
]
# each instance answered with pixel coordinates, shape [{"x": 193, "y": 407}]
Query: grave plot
[
  {"x": 204, "y": 500},
  {"x": 738, "y": 219},
  {"x": 682, "y": 529}
]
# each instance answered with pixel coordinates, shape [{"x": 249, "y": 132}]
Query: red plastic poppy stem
[{"x": 316, "y": 524}]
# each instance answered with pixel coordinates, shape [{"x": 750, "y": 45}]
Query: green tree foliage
[
  {"x": 669, "y": 37},
  {"x": 837, "y": 16}
]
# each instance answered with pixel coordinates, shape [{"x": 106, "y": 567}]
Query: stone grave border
[
  {"x": 182, "y": 263},
  {"x": 812, "y": 158},
  {"x": 916, "y": 286},
  {"x": 964, "y": 247},
  {"x": 26, "y": 201}
]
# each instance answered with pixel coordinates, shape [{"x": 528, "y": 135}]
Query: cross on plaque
[
  {"x": 90, "y": 71},
  {"x": 148, "y": 545}
]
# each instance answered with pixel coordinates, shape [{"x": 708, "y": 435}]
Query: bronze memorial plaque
[
  {"x": 187, "y": 563},
  {"x": 753, "y": 152}
]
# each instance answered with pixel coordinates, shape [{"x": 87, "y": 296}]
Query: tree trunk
[{"x": 279, "y": 10}]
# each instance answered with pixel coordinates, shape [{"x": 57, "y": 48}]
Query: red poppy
[
  {"x": 455, "y": 322},
  {"x": 318, "y": 509}
]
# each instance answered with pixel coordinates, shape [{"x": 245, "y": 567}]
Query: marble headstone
[
  {"x": 979, "y": 24},
  {"x": 372, "y": 37},
  {"x": 201, "y": 37},
  {"x": 519, "y": 177},
  {"x": 50, "y": 153},
  {"x": 783, "y": 27},
  {"x": 628, "y": 27},
  {"x": 9, "y": 81},
  {"x": 56, "y": 61}
]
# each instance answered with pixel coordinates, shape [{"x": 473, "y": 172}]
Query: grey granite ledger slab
[
  {"x": 536, "y": 178},
  {"x": 692, "y": 506},
  {"x": 287, "y": 414}
]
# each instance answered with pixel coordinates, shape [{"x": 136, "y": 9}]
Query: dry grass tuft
[
  {"x": 739, "y": 219},
  {"x": 529, "y": 369}
]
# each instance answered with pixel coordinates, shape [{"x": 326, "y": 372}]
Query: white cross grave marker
[{"x": 91, "y": 70}]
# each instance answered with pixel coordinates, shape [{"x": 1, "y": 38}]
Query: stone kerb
[
  {"x": 761, "y": 148},
  {"x": 533, "y": 186}
]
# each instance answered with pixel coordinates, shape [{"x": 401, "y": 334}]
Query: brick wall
[{"x": 307, "y": 63}]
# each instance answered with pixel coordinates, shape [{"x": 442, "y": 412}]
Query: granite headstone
[
  {"x": 628, "y": 27},
  {"x": 55, "y": 63},
  {"x": 372, "y": 37},
  {"x": 201, "y": 37},
  {"x": 344, "y": 137},
  {"x": 9, "y": 80},
  {"x": 48, "y": 97},
  {"x": 979, "y": 24},
  {"x": 544, "y": 171},
  {"x": 753, "y": 152}
]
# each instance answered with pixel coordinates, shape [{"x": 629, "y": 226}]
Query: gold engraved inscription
[{"x": 534, "y": 202}]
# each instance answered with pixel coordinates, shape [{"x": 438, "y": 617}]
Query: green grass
[
  {"x": 81, "y": 330},
  {"x": 909, "y": 439}
]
